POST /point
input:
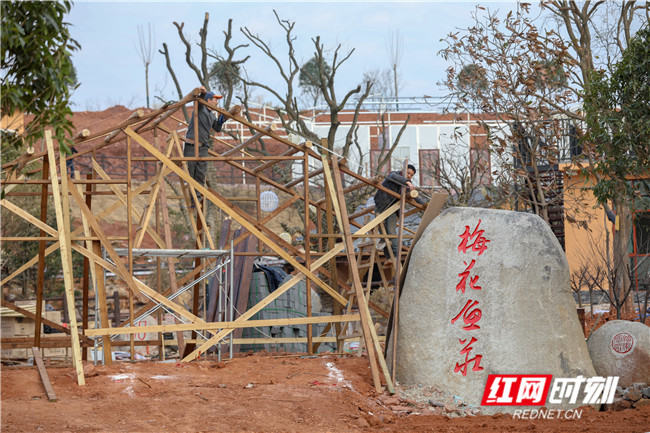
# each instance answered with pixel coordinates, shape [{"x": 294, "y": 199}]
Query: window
[
  {"x": 375, "y": 157},
  {"x": 429, "y": 167},
  {"x": 479, "y": 160},
  {"x": 642, "y": 232}
]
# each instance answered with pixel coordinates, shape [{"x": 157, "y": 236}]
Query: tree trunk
[
  {"x": 146, "y": 82},
  {"x": 621, "y": 258}
]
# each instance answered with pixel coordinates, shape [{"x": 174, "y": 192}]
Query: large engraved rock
[
  {"x": 487, "y": 292},
  {"x": 622, "y": 348}
]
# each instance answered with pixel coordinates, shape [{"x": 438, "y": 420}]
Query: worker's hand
[
  {"x": 410, "y": 185},
  {"x": 203, "y": 89}
]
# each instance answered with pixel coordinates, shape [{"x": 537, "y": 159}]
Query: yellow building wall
[
  {"x": 14, "y": 122},
  {"x": 585, "y": 224}
]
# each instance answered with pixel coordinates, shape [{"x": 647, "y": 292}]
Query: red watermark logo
[
  {"x": 516, "y": 389},
  {"x": 533, "y": 390}
]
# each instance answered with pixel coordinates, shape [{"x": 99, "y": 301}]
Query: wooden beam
[
  {"x": 89, "y": 265},
  {"x": 43, "y": 373},
  {"x": 269, "y": 164},
  {"x": 223, "y": 325},
  {"x": 253, "y": 139},
  {"x": 28, "y": 217},
  {"x": 330, "y": 186}
]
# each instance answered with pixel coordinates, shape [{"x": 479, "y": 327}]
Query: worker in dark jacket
[
  {"x": 207, "y": 122},
  {"x": 394, "y": 182}
]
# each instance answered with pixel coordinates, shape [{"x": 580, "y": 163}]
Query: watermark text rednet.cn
[{"x": 542, "y": 389}]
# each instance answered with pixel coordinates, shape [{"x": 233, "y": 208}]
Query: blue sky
[{"x": 111, "y": 72}]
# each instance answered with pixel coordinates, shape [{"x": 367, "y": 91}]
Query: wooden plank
[
  {"x": 129, "y": 228},
  {"x": 330, "y": 187},
  {"x": 331, "y": 242},
  {"x": 366, "y": 320},
  {"x": 69, "y": 294},
  {"x": 28, "y": 217},
  {"x": 224, "y": 325},
  {"x": 64, "y": 242},
  {"x": 43, "y": 373}
]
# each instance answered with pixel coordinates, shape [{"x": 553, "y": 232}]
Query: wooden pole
[
  {"x": 305, "y": 172},
  {"x": 40, "y": 276},
  {"x": 398, "y": 269},
  {"x": 129, "y": 224},
  {"x": 64, "y": 241},
  {"x": 366, "y": 322},
  {"x": 89, "y": 268},
  {"x": 170, "y": 261}
]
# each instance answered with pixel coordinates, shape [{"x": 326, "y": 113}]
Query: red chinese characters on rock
[
  {"x": 470, "y": 314},
  {"x": 463, "y": 278},
  {"x": 479, "y": 244},
  {"x": 471, "y": 242},
  {"x": 476, "y": 360}
]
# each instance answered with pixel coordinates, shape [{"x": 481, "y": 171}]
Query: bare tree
[
  {"x": 535, "y": 78},
  {"x": 145, "y": 52},
  {"x": 395, "y": 47},
  {"x": 598, "y": 271},
  {"x": 201, "y": 68},
  {"x": 322, "y": 76}
]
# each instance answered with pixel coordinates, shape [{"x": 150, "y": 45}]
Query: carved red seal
[{"x": 622, "y": 342}]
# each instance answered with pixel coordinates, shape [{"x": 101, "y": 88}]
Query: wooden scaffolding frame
[{"x": 316, "y": 265}]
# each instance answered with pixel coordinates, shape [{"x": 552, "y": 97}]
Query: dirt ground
[{"x": 256, "y": 393}]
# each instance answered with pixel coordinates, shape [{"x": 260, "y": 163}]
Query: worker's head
[
  {"x": 410, "y": 171},
  {"x": 212, "y": 97},
  {"x": 288, "y": 268}
]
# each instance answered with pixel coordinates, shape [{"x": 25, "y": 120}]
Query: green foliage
[
  {"x": 471, "y": 79},
  {"x": 224, "y": 76},
  {"x": 309, "y": 79},
  {"x": 37, "y": 70},
  {"x": 617, "y": 112}
]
